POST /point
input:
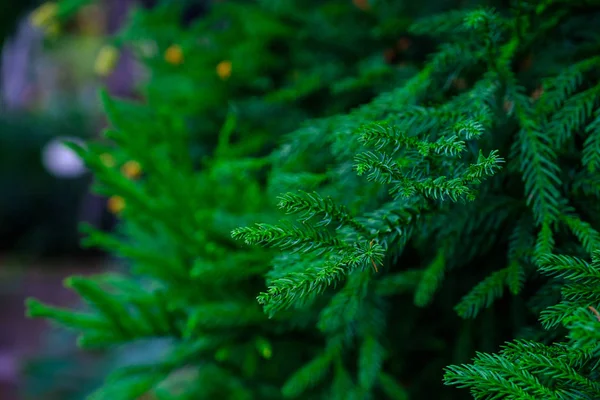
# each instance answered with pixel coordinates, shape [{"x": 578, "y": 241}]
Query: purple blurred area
[
  {"x": 22, "y": 338},
  {"x": 48, "y": 93},
  {"x": 17, "y": 55}
]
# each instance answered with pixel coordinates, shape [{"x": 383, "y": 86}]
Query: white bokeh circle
[{"x": 60, "y": 161}]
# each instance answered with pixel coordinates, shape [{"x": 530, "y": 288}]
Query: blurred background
[{"x": 49, "y": 93}]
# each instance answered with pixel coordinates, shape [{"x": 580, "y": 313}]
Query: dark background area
[{"x": 48, "y": 94}]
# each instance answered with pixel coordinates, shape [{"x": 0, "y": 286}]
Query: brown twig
[
  {"x": 596, "y": 313},
  {"x": 373, "y": 261}
]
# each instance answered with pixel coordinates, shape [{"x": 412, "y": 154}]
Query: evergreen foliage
[{"x": 410, "y": 199}]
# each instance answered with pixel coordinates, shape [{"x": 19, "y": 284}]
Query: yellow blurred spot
[
  {"x": 44, "y": 15},
  {"x": 459, "y": 83},
  {"x": 537, "y": 93},
  {"x": 508, "y": 106},
  {"x": 224, "y": 69},
  {"x": 131, "y": 169},
  {"x": 52, "y": 30},
  {"x": 174, "y": 55},
  {"x": 264, "y": 348},
  {"x": 91, "y": 20},
  {"x": 527, "y": 62},
  {"x": 106, "y": 61},
  {"x": 116, "y": 204},
  {"x": 107, "y": 159},
  {"x": 403, "y": 44},
  {"x": 362, "y": 4},
  {"x": 267, "y": 353}
]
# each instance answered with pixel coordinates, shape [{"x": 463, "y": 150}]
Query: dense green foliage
[{"x": 419, "y": 187}]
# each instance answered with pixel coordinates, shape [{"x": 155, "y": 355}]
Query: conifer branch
[
  {"x": 483, "y": 294},
  {"x": 110, "y": 307},
  {"x": 559, "y": 88},
  {"x": 545, "y": 241},
  {"x": 74, "y": 320},
  {"x": 485, "y": 382},
  {"x": 393, "y": 222},
  {"x": 380, "y": 135},
  {"x": 308, "y": 376},
  {"x": 573, "y": 115},
  {"x": 520, "y": 348},
  {"x": 520, "y": 254},
  {"x": 469, "y": 128},
  {"x": 584, "y": 334},
  {"x": 441, "y": 24},
  {"x": 522, "y": 239},
  {"x": 288, "y": 237},
  {"x": 344, "y": 307},
  {"x": 211, "y": 316},
  {"x": 539, "y": 167},
  {"x": 591, "y": 146},
  {"x": 309, "y": 205},
  {"x": 568, "y": 267},
  {"x": 381, "y": 167},
  {"x": 299, "y": 287},
  {"x": 587, "y": 235},
  {"x": 496, "y": 375},
  {"x": 440, "y": 188},
  {"x": 370, "y": 362},
  {"x": 580, "y": 290},
  {"x": 431, "y": 279}
]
